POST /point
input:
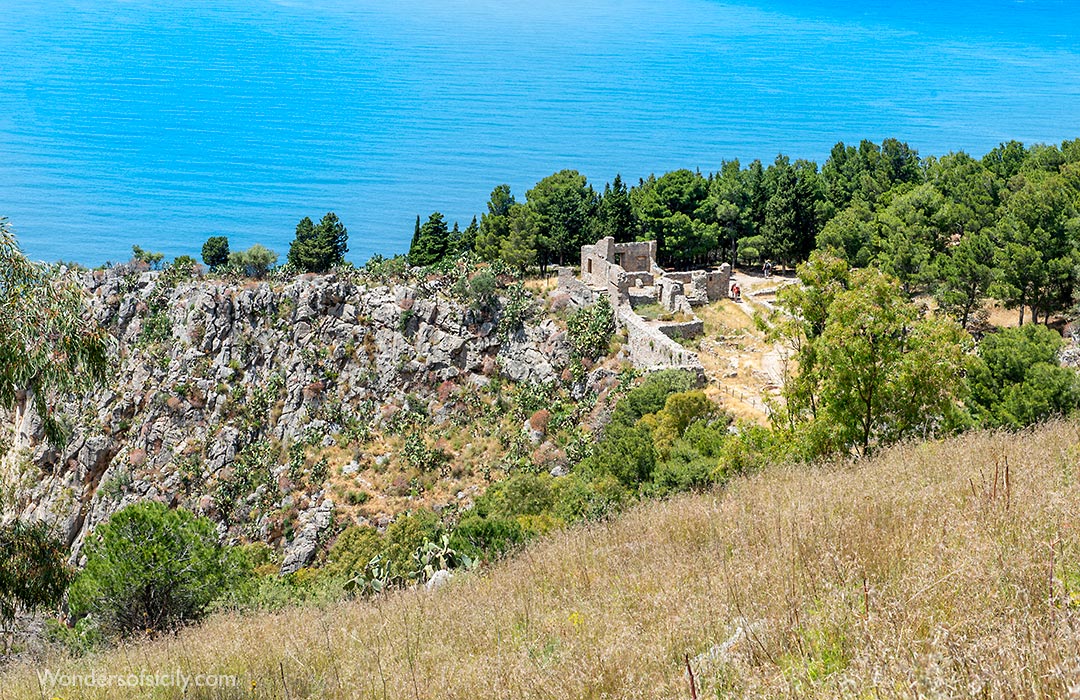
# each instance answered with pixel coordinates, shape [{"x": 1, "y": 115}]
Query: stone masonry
[{"x": 629, "y": 274}]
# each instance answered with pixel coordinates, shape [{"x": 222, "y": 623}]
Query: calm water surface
[{"x": 162, "y": 122}]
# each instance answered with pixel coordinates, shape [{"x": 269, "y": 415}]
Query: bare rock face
[
  {"x": 301, "y": 551},
  {"x": 207, "y": 374}
]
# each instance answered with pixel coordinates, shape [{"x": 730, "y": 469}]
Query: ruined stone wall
[
  {"x": 580, "y": 294},
  {"x": 597, "y": 261},
  {"x": 640, "y": 279},
  {"x": 701, "y": 286},
  {"x": 650, "y": 349},
  {"x": 638, "y": 256},
  {"x": 618, "y": 286},
  {"x": 718, "y": 283},
  {"x": 688, "y": 329}
]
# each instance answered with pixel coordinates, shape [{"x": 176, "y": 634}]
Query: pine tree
[
  {"x": 319, "y": 248},
  {"x": 332, "y": 239},
  {"x": 519, "y": 248},
  {"x": 215, "y": 252},
  {"x": 615, "y": 214},
  {"x": 494, "y": 226},
  {"x": 301, "y": 251},
  {"x": 432, "y": 242},
  {"x": 468, "y": 237}
]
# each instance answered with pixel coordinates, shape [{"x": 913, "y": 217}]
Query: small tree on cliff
[
  {"x": 48, "y": 345},
  {"x": 317, "y": 248},
  {"x": 431, "y": 243},
  {"x": 215, "y": 252},
  {"x": 255, "y": 262}
]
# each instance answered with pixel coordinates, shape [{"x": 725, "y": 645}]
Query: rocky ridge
[{"x": 215, "y": 381}]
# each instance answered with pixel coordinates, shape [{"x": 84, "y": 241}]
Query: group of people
[{"x": 736, "y": 291}]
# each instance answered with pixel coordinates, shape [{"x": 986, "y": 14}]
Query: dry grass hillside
[{"x": 942, "y": 570}]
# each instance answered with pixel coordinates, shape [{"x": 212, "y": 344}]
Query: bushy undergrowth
[
  {"x": 926, "y": 571},
  {"x": 150, "y": 568},
  {"x": 665, "y": 436}
]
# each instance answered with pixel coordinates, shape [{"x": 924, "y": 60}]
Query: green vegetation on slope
[{"x": 940, "y": 570}]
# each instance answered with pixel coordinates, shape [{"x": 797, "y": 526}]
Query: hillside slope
[
  {"x": 947, "y": 569},
  {"x": 266, "y": 405}
]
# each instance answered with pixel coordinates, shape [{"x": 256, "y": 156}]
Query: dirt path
[{"x": 744, "y": 369}]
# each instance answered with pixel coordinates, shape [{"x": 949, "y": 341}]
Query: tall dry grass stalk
[{"x": 923, "y": 572}]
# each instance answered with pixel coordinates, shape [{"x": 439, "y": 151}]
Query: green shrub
[
  {"x": 519, "y": 307},
  {"x": 680, "y": 410},
  {"x": 589, "y": 330},
  {"x": 145, "y": 256},
  {"x": 351, "y": 552},
  {"x": 403, "y": 538},
  {"x": 683, "y": 472},
  {"x": 357, "y": 498},
  {"x": 150, "y": 568},
  {"x": 84, "y": 637},
  {"x": 520, "y": 494},
  {"x": 255, "y": 584},
  {"x": 480, "y": 291},
  {"x": 486, "y": 538},
  {"x": 1016, "y": 379},
  {"x": 156, "y": 328},
  {"x": 751, "y": 447},
  {"x": 625, "y": 452},
  {"x": 420, "y": 456},
  {"x": 578, "y": 498},
  {"x": 651, "y": 395},
  {"x": 182, "y": 267},
  {"x": 255, "y": 262},
  {"x": 33, "y": 569}
]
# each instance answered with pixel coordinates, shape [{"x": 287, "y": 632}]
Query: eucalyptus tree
[{"x": 49, "y": 345}]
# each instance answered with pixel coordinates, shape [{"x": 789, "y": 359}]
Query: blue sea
[{"x": 163, "y": 122}]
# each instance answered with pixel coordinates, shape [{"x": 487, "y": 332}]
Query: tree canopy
[
  {"x": 318, "y": 247},
  {"x": 33, "y": 571},
  {"x": 215, "y": 252},
  {"x": 871, "y": 369},
  {"x": 150, "y": 568},
  {"x": 48, "y": 344}
]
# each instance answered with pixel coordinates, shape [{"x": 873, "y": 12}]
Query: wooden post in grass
[{"x": 690, "y": 672}]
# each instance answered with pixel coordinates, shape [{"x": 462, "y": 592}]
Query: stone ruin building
[{"x": 628, "y": 274}]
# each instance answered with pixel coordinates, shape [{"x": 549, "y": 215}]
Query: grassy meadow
[{"x": 940, "y": 570}]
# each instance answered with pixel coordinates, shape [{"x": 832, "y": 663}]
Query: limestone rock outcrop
[{"x": 207, "y": 372}]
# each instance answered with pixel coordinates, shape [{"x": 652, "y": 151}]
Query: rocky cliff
[{"x": 242, "y": 399}]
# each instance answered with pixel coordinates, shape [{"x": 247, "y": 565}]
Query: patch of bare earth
[{"x": 743, "y": 368}]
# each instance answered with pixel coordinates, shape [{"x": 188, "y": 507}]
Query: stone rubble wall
[
  {"x": 650, "y": 349},
  {"x": 688, "y": 329},
  {"x": 637, "y": 256},
  {"x": 580, "y": 294}
]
